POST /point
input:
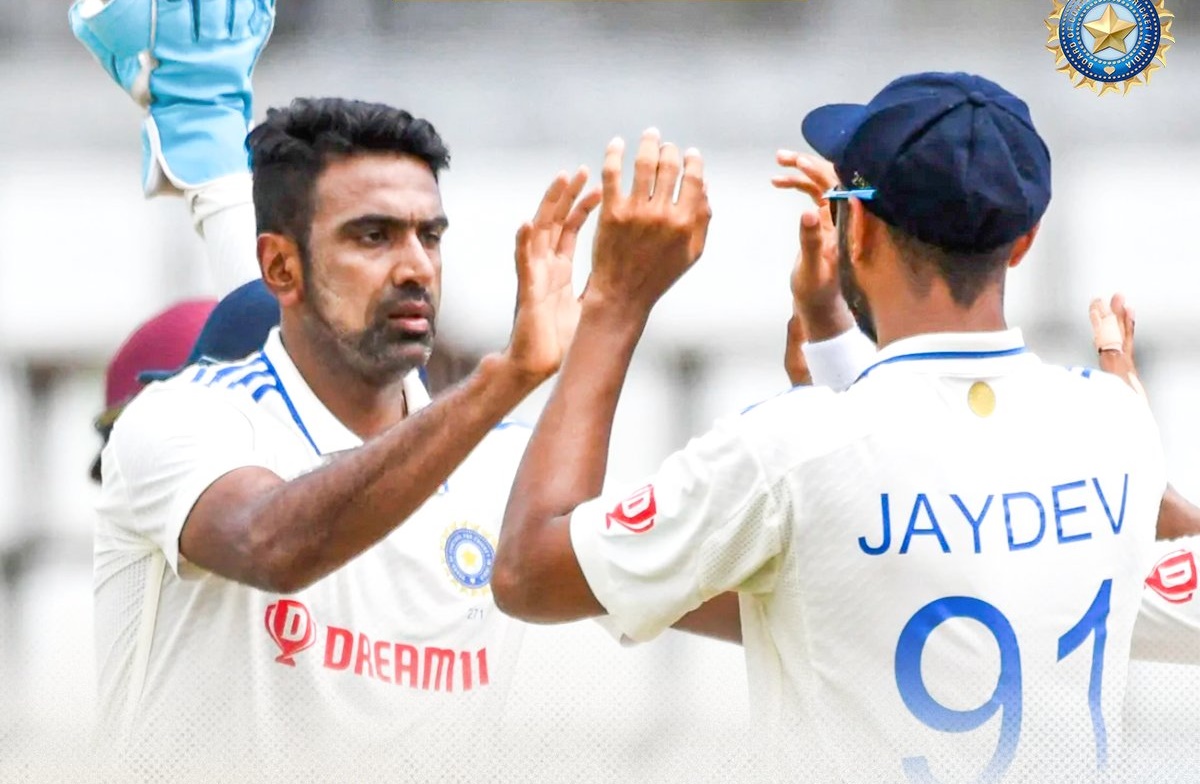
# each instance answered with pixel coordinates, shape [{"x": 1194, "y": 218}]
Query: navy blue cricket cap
[
  {"x": 954, "y": 159},
  {"x": 238, "y": 326}
]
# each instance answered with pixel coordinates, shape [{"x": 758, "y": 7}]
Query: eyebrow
[{"x": 392, "y": 222}]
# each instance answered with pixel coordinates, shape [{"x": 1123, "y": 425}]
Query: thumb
[{"x": 811, "y": 240}]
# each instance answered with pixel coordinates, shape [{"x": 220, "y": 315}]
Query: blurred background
[{"x": 520, "y": 91}]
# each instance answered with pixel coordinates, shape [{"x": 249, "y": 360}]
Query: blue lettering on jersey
[
  {"x": 1025, "y": 517},
  {"x": 922, "y": 502}
]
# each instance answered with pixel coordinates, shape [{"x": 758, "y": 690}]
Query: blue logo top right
[{"x": 1111, "y": 45}]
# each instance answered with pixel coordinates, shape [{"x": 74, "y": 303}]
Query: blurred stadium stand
[{"x": 520, "y": 91}]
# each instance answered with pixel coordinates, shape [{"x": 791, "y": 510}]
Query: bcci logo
[
  {"x": 469, "y": 558},
  {"x": 1116, "y": 44}
]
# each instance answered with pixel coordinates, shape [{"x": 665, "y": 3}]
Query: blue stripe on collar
[
  {"x": 1008, "y": 352},
  {"x": 287, "y": 400}
]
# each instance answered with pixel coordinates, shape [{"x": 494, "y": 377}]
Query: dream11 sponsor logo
[
  {"x": 292, "y": 629},
  {"x": 429, "y": 668},
  {"x": 636, "y": 513},
  {"x": 1174, "y": 577}
]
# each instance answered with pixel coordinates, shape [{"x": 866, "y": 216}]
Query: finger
[
  {"x": 701, "y": 216},
  {"x": 667, "y": 176},
  {"x": 610, "y": 173},
  {"x": 567, "y": 200},
  {"x": 543, "y": 220},
  {"x": 521, "y": 255},
  {"x": 812, "y": 241},
  {"x": 1106, "y": 329},
  {"x": 819, "y": 170},
  {"x": 799, "y": 181},
  {"x": 575, "y": 221},
  {"x": 645, "y": 165},
  {"x": 1124, "y": 315},
  {"x": 786, "y": 157},
  {"x": 544, "y": 216},
  {"x": 693, "y": 191}
]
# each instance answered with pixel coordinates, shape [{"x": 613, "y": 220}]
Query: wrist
[
  {"x": 501, "y": 374},
  {"x": 824, "y": 320},
  {"x": 621, "y": 318}
]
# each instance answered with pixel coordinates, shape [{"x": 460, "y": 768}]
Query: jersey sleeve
[
  {"x": 1168, "y": 624},
  {"x": 166, "y": 449},
  {"x": 709, "y": 521}
]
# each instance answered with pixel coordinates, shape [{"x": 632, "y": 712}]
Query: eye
[
  {"x": 373, "y": 237},
  {"x": 431, "y": 238}
]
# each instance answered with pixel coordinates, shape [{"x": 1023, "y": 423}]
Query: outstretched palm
[{"x": 547, "y": 308}]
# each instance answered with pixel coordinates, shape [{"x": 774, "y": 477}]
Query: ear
[
  {"x": 1022, "y": 245},
  {"x": 862, "y": 233},
  {"x": 282, "y": 271}
]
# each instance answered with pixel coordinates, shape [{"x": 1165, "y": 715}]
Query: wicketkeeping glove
[{"x": 189, "y": 62}]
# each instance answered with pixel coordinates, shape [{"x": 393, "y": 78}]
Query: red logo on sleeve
[
  {"x": 291, "y": 627},
  {"x": 1174, "y": 577},
  {"x": 636, "y": 512}
]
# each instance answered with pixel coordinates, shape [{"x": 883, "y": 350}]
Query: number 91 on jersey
[{"x": 1006, "y": 698}]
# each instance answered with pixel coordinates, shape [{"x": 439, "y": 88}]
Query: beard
[
  {"x": 378, "y": 352},
  {"x": 851, "y": 292}
]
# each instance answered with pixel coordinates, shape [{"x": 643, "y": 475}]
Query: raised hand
[
  {"x": 190, "y": 66},
  {"x": 547, "y": 308},
  {"x": 1112, "y": 334},
  {"x": 648, "y": 239},
  {"x": 816, "y": 294}
]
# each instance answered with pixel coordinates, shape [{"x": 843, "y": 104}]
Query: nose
[{"x": 414, "y": 263}]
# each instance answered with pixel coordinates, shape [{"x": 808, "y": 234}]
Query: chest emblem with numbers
[{"x": 470, "y": 555}]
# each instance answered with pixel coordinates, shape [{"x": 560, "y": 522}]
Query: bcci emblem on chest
[
  {"x": 1110, "y": 44},
  {"x": 470, "y": 556}
]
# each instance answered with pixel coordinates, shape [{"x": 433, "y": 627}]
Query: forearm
[
  {"x": 223, "y": 213},
  {"x": 565, "y": 462},
  {"x": 304, "y": 529},
  {"x": 720, "y": 618},
  {"x": 1177, "y": 516}
]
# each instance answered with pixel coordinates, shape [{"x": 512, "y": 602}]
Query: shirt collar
[
  {"x": 324, "y": 431},
  {"x": 950, "y": 346}
]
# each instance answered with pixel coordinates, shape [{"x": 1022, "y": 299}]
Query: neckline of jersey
[{"x": 942, "y": 355}]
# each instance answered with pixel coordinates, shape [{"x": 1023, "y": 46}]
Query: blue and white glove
[{"x": 189, "y": 63}]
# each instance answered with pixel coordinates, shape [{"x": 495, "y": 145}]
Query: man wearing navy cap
[{"x": 938, "y": 570}]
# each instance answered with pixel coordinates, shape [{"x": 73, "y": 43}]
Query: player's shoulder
[
  {"x": 1094, "y": 387},
  {"x": 801, "y": 423},
  {"x": 196, "y": 394}
]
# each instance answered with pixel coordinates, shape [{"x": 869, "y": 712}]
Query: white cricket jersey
[
  {"x": 1168, "y": 626},
  {"x": 397, "y": 645},
  {"x": 939, "y": 568}
]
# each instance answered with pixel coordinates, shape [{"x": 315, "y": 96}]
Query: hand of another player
[
  {"x": 1112, "y": 334},
  {"x": 795, "y": 364},
  {"x": 648, "y": 239},
  {"x": 816, "y": 293},
  {"x": 190, "y": 66},
  {"x": 547, "y": 308}
]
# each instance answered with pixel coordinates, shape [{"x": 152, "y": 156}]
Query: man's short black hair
[
  {"x": 291, "y": 148},
  {"x": 967, "y": 275}
]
